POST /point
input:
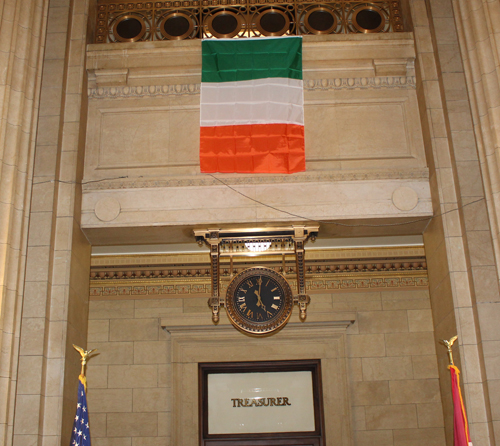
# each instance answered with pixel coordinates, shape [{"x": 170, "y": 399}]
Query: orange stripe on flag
[{"x": 255, "y": 148}]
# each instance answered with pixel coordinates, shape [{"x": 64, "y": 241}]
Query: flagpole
[
  {"x": 80, "y": 435},
  {"x": 461, "y": 435}
]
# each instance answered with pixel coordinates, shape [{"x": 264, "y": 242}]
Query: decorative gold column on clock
[{"x": 257, "y": 242}]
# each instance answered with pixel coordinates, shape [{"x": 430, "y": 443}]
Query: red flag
[{"x": 460, "y": 426}]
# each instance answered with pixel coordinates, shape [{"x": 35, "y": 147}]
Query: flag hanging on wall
[
  {"x": 252, "y": 106},
  {"x": 460, "y": 425},
  {"x": 80, "y": 435}
]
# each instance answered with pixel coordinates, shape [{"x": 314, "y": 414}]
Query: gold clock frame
[
  {"x": 285, "y": 240},
  {"x": 258, "y": 328}
]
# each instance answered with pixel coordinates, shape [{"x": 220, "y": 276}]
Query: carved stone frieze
[
  {"x": 206, "y": 180},
  {"x": 102, "y": 289},
  {"x": 361, "y": 83},
  {"x": 340, "y": 269},
  {"x": 121, "y": 92},
  {"x": 351, "y": 83}
]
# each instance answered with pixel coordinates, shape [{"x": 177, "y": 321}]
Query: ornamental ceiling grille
[{"x": 135, "y": 21}]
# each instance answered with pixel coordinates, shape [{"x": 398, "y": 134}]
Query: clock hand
[{"x": 259, "y": 300}]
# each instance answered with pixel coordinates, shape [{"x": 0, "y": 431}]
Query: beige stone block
[
  {"x": 157, "y": 307},
  {"x": 464, "y": 148},
  {"x": 40, "y": 228},
  {"x": 428, "y": 66},
  {"x": 150, "y": 441},
  {"x": 415, "y": 391},
  {"x": 37, "y": 266},
  {"x": 425, "y": 367},
  {"x": 370, "y": 438},
  {"x": 423, "y": 38},
  {"x": 132, "y": 376},
  {"x": 58, "y": 19},
  {"x": 417, "y": 437},
  {"x": 358, "y": 418},
  {"x": 27, "y": 415},
  {"x": 52, "y": 424},
  {"x": 55, "y": 339},
  {"x": 438, "y": 267},
  {"x": 29, "y": 381},
  {"x": 480, "y": 248},
  {"x": 54, "y": 376},
  {"x": 165, "y": 424},
  {"x": 485, "y": 284},
  {"x": 97, "y": 423},
  {"x": 442, "y": 301},
  {"x": 391, "y": 417},
  {"x": 407, "y": 304},
  {"x": 391, "y": 368},
  {"x": 132, "y": 424},
  {"x": 55, "y": 46},
  {"x": 111, "y": 309},
  {"x": 420, "y": 320},
  {"x": 354, "y": 369},
  {"x": 117, "y": 441},
  {"x": 151, "y": 352},
  {"x": 97, "y": 376},
  {"x": 24, "y": 440},
  {"x": 382, "y": 322},
  {"x": 195, "y": 305},
  {"x": 320, "y": 303},
  {"x": 414, "y": 344},
  {"x": 449, "y": 58},
  {"x": 151, "y": 400},
  {"x": 98, "y": 330},
  {"x": 134, "y": 329},
  {"x": 445, "y": 29},
  {"x": 113, "y": 353},
  {"x": 494, "y": 394},
  {"x": 110, "y": 400},
  {"x": 35, "y": 298},
  {"x": 32, "y": 336},
  {"x": 430, "y": 415},
  {"x": 48, "y": 130},
  {"x": 491, "y": 352},
  {"x": 370, "y": 393},
  {"x": 365, "y": 345}
]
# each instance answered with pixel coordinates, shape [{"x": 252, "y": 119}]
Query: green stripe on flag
[{"x": 247, "y": 59}]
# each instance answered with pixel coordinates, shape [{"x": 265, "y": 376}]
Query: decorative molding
[
  {"x": 326, "y": 270},
  {"x": 102, "y": 289},
  {"x": 361, "y": 83},
  {"x": 207, "y": 180},
  {"x": 343, "y": 83},
  {"x": 121, "y": 92},
  {"x": 102, "y": 262}
]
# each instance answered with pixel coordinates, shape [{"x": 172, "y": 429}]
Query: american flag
[{"x": 81, "y": 431}]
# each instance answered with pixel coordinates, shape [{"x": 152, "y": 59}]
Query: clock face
[{"x": 259, "y": 301}]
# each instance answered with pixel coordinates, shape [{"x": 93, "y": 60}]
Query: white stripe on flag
[{"x": 258, "y": 101}]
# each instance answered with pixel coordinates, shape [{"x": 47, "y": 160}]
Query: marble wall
[{"x": 379, "y": 362}]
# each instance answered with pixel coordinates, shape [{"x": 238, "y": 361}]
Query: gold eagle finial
[
  {"x": 84, "y": 356},
  {"x": 449, "y": 345}
]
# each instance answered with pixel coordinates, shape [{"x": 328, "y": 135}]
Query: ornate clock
[{"x": 259, "y": 301}]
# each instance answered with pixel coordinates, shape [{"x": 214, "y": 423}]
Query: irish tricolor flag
[{"x": 252, "y": 106}]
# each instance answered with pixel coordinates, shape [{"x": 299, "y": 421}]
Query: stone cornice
[
  {"x": 207, "y": 180},
  {"x": 346, "y": 83}
]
